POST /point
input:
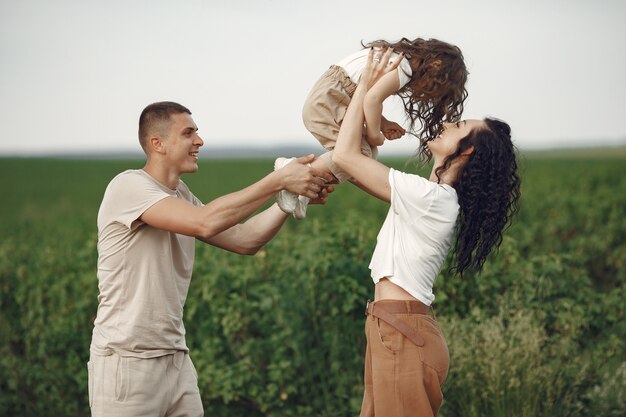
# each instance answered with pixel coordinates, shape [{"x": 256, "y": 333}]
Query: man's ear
[{"x": 156, "y": 144}]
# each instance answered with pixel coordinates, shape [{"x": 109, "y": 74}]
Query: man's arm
[
  {"x": 179, "y": 216},
  {"x": 248, "y": 237}
]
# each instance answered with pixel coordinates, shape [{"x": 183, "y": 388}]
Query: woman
[{"x": 474, "y": 181}]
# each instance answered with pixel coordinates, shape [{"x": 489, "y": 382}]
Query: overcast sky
[{"x": 74, "y": 75}]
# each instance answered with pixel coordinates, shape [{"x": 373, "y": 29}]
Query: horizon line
[{"x": 236, "y": 152}]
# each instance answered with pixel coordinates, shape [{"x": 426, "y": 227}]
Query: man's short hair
[{"x": 155, "y": 119}]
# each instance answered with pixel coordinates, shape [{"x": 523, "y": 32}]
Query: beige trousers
[
  {"x": 166, "y": 386},
  {"x": 401, "y": 378},
  {"x": 324, "y": 110}
]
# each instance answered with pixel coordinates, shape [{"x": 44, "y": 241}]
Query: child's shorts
[{"x": 324, "y": 110}]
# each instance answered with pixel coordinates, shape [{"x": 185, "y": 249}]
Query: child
[{"x": 430, "y": 80}]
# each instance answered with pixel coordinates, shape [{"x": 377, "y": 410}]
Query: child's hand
[{"x": 391, "y": 130}]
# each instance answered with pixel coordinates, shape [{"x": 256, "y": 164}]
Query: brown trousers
[{"x": 401, "y": 378}]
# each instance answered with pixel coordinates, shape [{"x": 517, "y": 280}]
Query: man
[{"x": 147, "y": 222}]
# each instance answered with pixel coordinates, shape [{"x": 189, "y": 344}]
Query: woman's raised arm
[{"x": 371, "y": 174}]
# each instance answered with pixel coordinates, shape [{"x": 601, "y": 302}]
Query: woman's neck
[{"x": 449, "y": 176}]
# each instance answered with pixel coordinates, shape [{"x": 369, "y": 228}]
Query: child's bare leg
[
  {"x": 339, "y": 175},
  {"x": 321, "y": 164},
  {"x": 326, "y": 158}
]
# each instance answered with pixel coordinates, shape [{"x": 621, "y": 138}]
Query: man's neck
[{"x": 163, "y": 174}]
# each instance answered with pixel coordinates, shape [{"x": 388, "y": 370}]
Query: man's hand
[
  {"x": 300, "y": 178},
  {"x": 322, "y": 196}
]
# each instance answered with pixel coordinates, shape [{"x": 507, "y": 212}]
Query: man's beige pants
[
  {"x": 166, "y": 386},
  {"x": 401, "y": 378}
]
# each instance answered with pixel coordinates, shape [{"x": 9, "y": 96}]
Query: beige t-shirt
[{"x": 143, "y": 272}]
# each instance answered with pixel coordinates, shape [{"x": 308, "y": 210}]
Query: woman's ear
[{"x": 468, "y": 151}]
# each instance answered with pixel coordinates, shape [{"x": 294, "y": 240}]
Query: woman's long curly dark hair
[
  {"x": 436, "y": 91},
  {"x": 488, "y": 189}
]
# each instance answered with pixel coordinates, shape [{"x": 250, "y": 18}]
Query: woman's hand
[{"x": 378, "y": 65}]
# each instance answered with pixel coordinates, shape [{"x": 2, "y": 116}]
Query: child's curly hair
[{"x": 436, "y": 92}]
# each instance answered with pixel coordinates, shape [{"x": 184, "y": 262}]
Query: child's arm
[{"x": 373, "y": 106}]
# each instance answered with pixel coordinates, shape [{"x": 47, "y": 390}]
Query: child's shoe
[{"x": 287, "y": 201}]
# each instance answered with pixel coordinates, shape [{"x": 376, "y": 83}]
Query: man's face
[{"x": 182, "y": 143}]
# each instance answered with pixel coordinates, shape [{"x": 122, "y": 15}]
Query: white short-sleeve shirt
[
  {"x": 143, "y": 272},
  {"x": 354, "y": 65},
  {"x": 417, "y": 234}
]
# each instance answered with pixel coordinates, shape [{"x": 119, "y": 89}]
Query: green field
[{"x": 541, "y": 332}]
